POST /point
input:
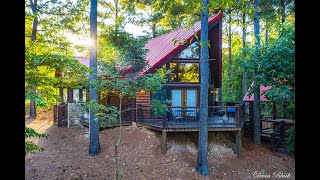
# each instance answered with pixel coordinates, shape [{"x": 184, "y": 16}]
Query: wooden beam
[
  {"x": 164, "y": 142},
  {"x": 182, "y": 85},
  {"x": 184, "y": 61}
]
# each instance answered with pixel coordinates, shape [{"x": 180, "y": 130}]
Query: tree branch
[{"x": 287, "y": 2}]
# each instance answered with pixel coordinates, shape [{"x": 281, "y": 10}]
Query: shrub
[{"x": 30, "y": 147}]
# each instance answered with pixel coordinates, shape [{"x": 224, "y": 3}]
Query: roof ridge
[{"x": 180, "y": 28}]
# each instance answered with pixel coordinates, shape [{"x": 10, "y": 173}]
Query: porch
[{"x": 223, "y": 117}]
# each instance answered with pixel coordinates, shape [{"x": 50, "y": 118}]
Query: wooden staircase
[{"x": 277, "y": 136}]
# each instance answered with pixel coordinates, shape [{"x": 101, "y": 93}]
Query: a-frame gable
[{"x": 165, "y": 47}]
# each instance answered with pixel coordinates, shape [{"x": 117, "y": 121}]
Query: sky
[{"x": 130, "y": 28}]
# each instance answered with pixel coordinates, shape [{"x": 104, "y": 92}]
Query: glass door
[{"x": 184, "y": 102}]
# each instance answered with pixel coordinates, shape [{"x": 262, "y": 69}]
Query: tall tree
[
  {"x": 244, "y": 36},
  {"x": 283, "y": 11},
  {"x": 256, "y": 102},
  {"x": 33, "y": 4},
  {"x": 230, "y": 50},
  {"x": 202, "y": 165},
  {"x": 94, "y": 147}
]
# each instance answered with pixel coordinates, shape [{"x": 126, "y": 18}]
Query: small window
[
  {"x": 193, "y": 51},
  {"x": 76, "y": 95}
]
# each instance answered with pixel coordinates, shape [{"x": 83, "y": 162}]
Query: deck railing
[
  {"x": 227, "y": 115},
  {"x": 128, "y": 112},
  {"x": 127, "y": 115}
]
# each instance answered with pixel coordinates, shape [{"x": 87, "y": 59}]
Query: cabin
[{"x": 179, "y": 51}]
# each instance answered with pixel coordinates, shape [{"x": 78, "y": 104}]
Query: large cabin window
[
  {"x": 192, "y": 51},
  {"x": 184, "y": 72}
]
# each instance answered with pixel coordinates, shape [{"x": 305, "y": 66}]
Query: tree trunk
[
  {"x": 283, "y": 12},
  {"x": 118, "y": 174},
  {"x": 244, "y": 36},
  {"x": 94, "y": 147},
  {"x": 202, "y": 166},
  {"x": 256, "y": 91},
  {"x": 116, "y": 23},
  {"x": 153, "y": 30},
  {"x": 230, "y": 54},
  {"x": 267, "y": 32},
  {"x": 33, "y": 108}
]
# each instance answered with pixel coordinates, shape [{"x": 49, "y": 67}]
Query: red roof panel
[
  {"x": 83, "y": 60},
  {"x": 263, "y": 89}
]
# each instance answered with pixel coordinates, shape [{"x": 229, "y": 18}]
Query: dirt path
[{"x": 66, "y": 157}]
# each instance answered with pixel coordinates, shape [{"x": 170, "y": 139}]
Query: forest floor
[{"x": 66, "y": 155}]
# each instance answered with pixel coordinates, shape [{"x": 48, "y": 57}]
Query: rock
[{"x": 77, "y": 177}]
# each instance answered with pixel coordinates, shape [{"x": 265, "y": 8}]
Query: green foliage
[
  {"x": 50, "y": 52},
  {"x": 276, "y": 67},
  {"x": 30, "y": 147},
  {"x": 41, "y": 67},
  {"x": 106, "y": 116},
  {"x": 291, "y": 139},
  {"x": 159, "y": 107}
]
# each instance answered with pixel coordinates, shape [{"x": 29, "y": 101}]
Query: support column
[
  {"x": 81, "y": 94},
  {"x": 61, "y": 92},
  {"x": 238, "y": 143},
  {"x": 70, "y": 95},
  {"x": 164, "y": 142},
  {"x": 274, "y": 110}
]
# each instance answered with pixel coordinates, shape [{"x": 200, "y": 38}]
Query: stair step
[
  {"x": 284, "y": 142},
  {"x": 282, "y": 150},
  {"x": 282, "y": 146}
]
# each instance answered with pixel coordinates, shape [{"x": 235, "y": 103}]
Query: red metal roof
[
  {"x": 263, "y": 89},
  {"x": 83, "y": 60},
  {"x": 160, "y": 48}
]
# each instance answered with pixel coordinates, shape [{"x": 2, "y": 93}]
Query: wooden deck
[{"x": 215, "y": 123}]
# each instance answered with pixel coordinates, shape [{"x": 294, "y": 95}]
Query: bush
[
  {"x": 30, "y": 147},
  {"x": 291, "y": 139}
]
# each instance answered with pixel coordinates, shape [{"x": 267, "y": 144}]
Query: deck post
[
  {"x": 55, "y": 113},
  {"x": 238, "y": 143},
  {"x": 59, "y": 115},
  {"x": 238, "y": 116},
  {"x": 164, "y": 142},
  {"x": 164, "y": 122}
]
